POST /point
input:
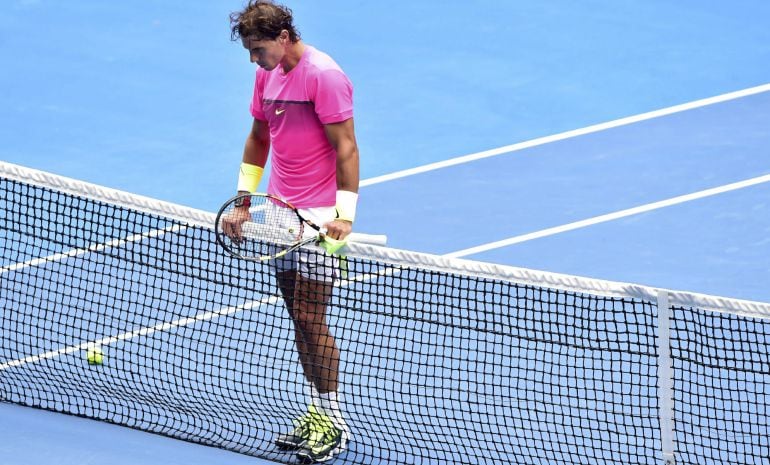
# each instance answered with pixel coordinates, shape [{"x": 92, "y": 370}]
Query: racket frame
[{"x": 244, "y": 200}]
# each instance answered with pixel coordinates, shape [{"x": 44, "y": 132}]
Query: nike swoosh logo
[{"x": 279, "y": 111}]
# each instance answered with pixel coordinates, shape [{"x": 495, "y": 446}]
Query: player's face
[{"x": 266, "y": 53}]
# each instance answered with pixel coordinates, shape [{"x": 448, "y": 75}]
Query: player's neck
[{"x": 292, "y": 57}]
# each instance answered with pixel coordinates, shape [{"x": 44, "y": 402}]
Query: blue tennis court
[{"x": 624, "y": 141}]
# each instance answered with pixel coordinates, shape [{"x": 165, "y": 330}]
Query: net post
[{"x": 665, "y": 378}]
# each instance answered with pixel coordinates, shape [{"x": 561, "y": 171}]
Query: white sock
[{"x": 329, "y": 406}]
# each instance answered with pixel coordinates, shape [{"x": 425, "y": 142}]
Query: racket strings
[{"x": 270, "y": 228}]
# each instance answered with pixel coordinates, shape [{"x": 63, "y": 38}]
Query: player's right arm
[{"x": 255, "y": 153}]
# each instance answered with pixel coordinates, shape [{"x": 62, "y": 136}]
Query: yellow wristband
[
  {"x": 346, "y": 205},
  {"x": 249, "y": 177}
]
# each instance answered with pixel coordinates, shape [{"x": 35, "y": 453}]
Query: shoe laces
[
  {"x": 305, "y": 425},
  {"x": 322, "y": 426}
]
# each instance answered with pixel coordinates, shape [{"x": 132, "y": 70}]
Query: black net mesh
[{"x": 434, "y": 366}]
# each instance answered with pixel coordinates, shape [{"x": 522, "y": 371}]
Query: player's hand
[
  {"x": 338, "y": 229},
  {"x": 232, "y": 222},
  {"x": 333, "y": 239}
]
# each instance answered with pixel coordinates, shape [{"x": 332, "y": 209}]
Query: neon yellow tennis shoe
[
  {"x": 300, "y": 435},
  {"x": 325, "y": 441}
]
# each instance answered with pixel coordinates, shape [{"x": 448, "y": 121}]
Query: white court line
[
  {"x": 567, "y": 135},
  {"x": 182, "y": 322},
  {"x": 139, "y": 332},
  {"x": 92, "y": 248},
  {"x": 610, "y": 216}
]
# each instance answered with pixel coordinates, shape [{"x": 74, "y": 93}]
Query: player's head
[{"x": 266, "y": 30}]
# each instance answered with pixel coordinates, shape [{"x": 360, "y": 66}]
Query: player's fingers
[
  {"x": 231, "y": 228},
  {"x": 338, "y": 229},
  {"x": 225, "y": 225},
  {"x": 328, "y": 231},
  {"x": 237, "y": 228}
]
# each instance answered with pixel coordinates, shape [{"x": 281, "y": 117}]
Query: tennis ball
[{"x": 95, "y": 356}]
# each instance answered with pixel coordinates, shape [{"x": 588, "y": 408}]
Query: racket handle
[{"x": 372, "y": 239}]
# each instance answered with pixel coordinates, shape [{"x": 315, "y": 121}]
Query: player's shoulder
[{"x": 319, "y": 62}]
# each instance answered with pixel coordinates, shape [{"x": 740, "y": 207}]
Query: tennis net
[{"x": 442, "y": 360}]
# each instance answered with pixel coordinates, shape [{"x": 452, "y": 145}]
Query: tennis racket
[{"x": 265, "y": 227}]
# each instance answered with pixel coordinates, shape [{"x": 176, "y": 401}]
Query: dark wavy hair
[{"x": 263, "y": 20}]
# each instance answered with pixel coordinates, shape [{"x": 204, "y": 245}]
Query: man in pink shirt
[{"x": 303, "y": 110}]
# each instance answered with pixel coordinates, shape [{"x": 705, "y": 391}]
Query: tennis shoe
[
  {"x": 301, "y": 434},
  {"x": 325, "y": 442}
]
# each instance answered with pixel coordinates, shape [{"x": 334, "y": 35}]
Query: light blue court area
[{"x": 152, "y": 98}]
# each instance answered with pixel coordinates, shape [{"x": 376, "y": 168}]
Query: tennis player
[{"x": 303, "y": 110}]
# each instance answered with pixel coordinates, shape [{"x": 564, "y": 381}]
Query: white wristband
[{"x": 346, "y": 205}]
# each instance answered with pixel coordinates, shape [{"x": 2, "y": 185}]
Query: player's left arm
[{"x": 342, "y": 137}]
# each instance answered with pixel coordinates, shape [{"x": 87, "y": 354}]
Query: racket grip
[{"x": 372, "y": 239}]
